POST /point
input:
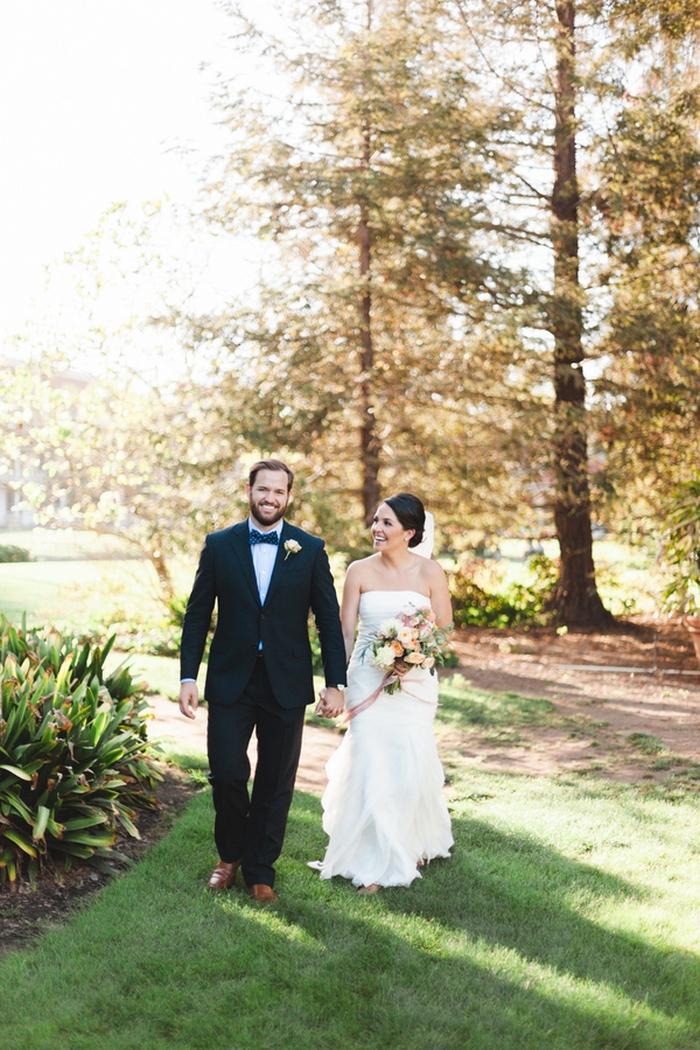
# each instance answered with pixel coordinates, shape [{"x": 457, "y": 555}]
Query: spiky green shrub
[
  {"x": 680, "y": 548},
  {"x": 73, "y": 752}
]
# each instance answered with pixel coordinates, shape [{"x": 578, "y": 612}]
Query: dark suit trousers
[{"x": 252, "y": 828}]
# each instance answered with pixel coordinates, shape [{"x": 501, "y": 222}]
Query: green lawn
[
  {"x": 74, "y": 579},
  {"x": 567, "y": 919},
  {"x": 53, "y": 591}
]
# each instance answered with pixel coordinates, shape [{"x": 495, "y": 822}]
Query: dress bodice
[{"x": 377, "y": 606}]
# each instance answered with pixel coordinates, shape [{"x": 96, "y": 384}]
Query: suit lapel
[
  {"x": 241, "y": 546},
  {"x": 278, "y": 569}
]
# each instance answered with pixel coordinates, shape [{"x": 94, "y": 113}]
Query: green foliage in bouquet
[{"x": 74, "y": 757}]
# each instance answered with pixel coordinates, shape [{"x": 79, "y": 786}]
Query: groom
[{"x": 264, "y": 575}]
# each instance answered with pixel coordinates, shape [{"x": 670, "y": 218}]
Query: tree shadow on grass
[
  {"x": 512, "y": 893},
  {"x": 460, "y": 704},
  {"x": 490, "y": 951},
  {"x": 517, "y": 893}
]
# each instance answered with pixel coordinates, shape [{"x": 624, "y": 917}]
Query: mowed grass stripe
[{"x": 540, "y": 933}]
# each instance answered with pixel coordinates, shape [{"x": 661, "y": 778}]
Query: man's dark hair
[{"x": 270, "y": 464}]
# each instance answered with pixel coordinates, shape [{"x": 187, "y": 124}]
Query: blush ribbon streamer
[{"x": 389, "y": 678}]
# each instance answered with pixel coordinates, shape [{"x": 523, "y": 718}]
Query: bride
[{"x": 384, "y": 810}]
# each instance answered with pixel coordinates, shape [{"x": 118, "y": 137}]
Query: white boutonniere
[{"x": 291, "y": 547}]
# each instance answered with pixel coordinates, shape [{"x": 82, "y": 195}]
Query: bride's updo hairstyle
[{"x": 411, "y": 514}]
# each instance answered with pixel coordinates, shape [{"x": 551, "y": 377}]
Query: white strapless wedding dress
[{"x": 384, "y": 809}]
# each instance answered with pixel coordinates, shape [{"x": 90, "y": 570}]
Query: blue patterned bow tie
[{"x": 264, "y": 537}]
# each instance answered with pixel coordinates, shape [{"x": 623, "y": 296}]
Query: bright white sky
[{"x": 98, "y": 98}]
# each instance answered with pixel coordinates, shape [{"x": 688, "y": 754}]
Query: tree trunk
[
  {"x": 577, "y": 600},
  {"x": 162, "y": 571},
  {"x": 369, "y": 443}
]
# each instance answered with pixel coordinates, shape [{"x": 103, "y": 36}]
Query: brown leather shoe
[
  {"x": 223, "y": 875},
  {"x": 262, "y": 893}
]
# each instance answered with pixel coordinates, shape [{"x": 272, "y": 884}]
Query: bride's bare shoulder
[
  {"x": 364, "y": 563},
  {"x": 432, "y": 570},
  {"x": 359, "y": 570}
]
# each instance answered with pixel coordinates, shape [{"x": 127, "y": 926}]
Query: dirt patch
[
  {"x": 26, "y": 913},
  {"x": 640, "y": 723}
]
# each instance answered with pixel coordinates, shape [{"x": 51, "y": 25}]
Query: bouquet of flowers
[{"x": 411, "y": 639}]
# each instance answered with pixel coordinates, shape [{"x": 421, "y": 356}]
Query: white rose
[
  {"x": 384, "y": 657},
  {"x": 291, "y": 547},
  {"x": 388, "y": 628}
]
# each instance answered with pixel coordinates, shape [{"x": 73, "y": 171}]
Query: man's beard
[{"x": 267, "y": 516}]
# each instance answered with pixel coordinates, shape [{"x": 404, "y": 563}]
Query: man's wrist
[{"x": 340, "y": 687}]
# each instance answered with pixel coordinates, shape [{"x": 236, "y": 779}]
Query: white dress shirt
[{"x": 264, "y": 556}]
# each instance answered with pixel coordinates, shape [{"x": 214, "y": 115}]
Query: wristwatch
[{"x": 340, "y": 687}]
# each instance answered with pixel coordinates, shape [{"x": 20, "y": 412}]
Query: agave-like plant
[
  {"x": 680, "y": 548},
  {"x": 74, "y": 753}
]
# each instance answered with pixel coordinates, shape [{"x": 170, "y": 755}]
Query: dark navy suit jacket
[{"x": 300, "y": 581}]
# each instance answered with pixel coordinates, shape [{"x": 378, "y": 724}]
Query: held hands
[
  {"x": 188, "y": 699},
  {"x": 331, "y": 704}
]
